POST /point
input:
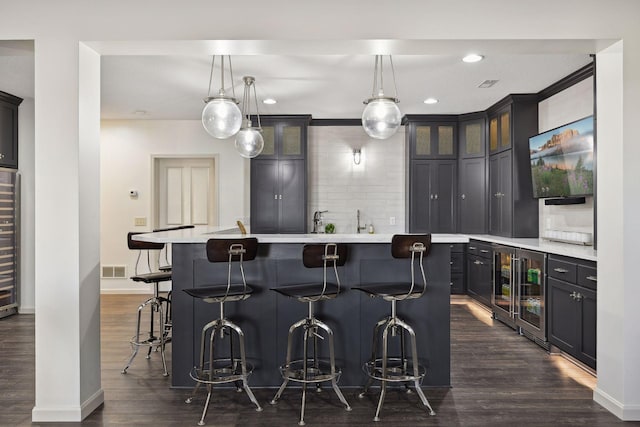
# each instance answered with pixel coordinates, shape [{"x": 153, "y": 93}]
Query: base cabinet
[
  {"x": 479, "y": 272},
  {"x": 457, "y": 269},
  {"x": 572, "y": 308},
  {"x": 9, "y": 130}
]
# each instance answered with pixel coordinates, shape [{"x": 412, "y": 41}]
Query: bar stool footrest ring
[
  {"x": 317, "y": 371},
  {"x": 397, "y": 370},
  {"x": 224, "y": 371}
]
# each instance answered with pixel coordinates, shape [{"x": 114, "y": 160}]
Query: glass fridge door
[
  {"x": 531, "y": 292},
  {"x": 502, "y": 286}
]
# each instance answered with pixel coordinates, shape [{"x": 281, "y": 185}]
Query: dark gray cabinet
[
  {"x": 279, "y": 177},
  {"x": 9, "y": 130},
  {"x": 432, "y": 189},
  {"x": 457, "y": 268},
  {"x": 479, "y": 271},
  {"x": 513, "y": 212},
  {"x": 472, "y": 196},
  {"x": 572, "y": 308},
  {"x": 500, "y": 197}
]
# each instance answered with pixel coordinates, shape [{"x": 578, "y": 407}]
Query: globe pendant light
[
  {"x": 381, "y": 117},
  {"x": 221, "y": 116},
  {"x": 249, "y": 141}
]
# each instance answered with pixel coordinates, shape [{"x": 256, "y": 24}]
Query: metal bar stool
[
  {"x": 232, "y": 369},
  {"x": 312, "y": 369},
  {"x": 405, "y": 367},
  {"x": 157, "y": 304}
]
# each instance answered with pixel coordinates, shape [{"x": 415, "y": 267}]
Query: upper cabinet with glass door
[
  {"x": 284, "y": 137},
  {"x": 432, "y": 137},
  {"x": 500, "y": 130},
  {"x": 472, "y": 140}
]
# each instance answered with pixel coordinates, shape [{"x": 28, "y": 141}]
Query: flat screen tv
[{"x": 562, "y": 160}]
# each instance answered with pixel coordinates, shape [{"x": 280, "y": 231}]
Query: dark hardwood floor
[{"x": 498, "y": 379}]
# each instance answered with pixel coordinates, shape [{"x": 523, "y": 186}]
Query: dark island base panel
[{"x": 266, "y": 317}]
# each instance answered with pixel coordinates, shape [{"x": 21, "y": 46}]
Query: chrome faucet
[
  {"x": 317, "y": 221},
  {"x": 358, "y": 228}
]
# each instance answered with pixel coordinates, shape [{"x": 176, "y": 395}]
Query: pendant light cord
[
  {"x": 378, "y": 77},
  {"x": 221, "y": 91}
]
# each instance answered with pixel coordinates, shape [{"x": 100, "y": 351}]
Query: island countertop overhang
[{"x": 195, "y": 235}]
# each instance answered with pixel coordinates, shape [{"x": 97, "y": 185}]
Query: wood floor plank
[{"x": 498, "y": 378}]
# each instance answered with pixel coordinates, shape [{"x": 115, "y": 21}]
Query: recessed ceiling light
[
  {"x": 269, "y": 101},
  {"x": 430, "y": 101},
  {"x": 473, "y": 57}
]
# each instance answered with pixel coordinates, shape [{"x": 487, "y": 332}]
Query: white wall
[
  {"x": 376, "y": 186},
  {"x": 573, "y": 103},
  {"x": 126, "y": 151}
]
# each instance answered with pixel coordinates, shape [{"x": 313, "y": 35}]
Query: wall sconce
[{"x": 357, "y": 156}]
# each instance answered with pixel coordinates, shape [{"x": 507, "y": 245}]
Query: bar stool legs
[
  {"x": 155, "y": 303},
  {"x": 310, "y": 369},
  {"x": 401, "y": 369},
  {"x": 222, "y": 370}
]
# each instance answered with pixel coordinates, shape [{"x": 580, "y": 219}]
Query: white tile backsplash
[{"x": 376, "y": 186}]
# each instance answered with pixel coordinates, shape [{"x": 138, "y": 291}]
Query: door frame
[{"x": 154, "y": 197}]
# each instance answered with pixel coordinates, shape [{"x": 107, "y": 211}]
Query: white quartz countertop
[
  {"x": 201, "y": 235},
  {"x": 541, "y": 245}
]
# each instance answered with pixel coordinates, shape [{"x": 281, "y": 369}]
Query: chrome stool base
[
  {"x": 221, "y": 370},
  {"x": 403, "y": 369},
  {"x": 152, "y": 342},
  {"x": 310, "y": 370}
]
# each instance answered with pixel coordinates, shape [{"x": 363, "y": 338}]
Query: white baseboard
[
  {"x": 26, "y": 310},
  {"x": 68, "y": 413},
  {"x": 125, "y": 291},
  {"x": 620, "y": 410}
]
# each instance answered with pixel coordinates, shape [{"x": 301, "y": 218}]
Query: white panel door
[{"x": 185, "y": 192}]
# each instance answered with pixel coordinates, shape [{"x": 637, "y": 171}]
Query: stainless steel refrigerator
[
  {"x": 519, "y": 288},
  {"x": 9, "y": 240}
]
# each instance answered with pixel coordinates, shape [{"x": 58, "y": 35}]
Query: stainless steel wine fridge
[
  {"x": 519, "y": 288},
  {"x": 9, "y": 240}
]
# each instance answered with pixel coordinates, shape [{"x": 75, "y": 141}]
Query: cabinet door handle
[
  {"x": 592, "y": 278},
  {"x": 275, "y": 197},
  {"x": 1, "y": 156},
  {"x": 436, "y": 196},
  {"x": 280, "y": 197},
  {"x": 477, "y": 262},
  {"x": 560, "y": 270},
  {"x": 484, "y": 251},
  {"x": 578, "y": 296},
  {"x": 431, "y": 197},
  {"x": 463, "y": 197},
  {"x": 496, "y": 195},
  {"x": 472, "y": 248}
]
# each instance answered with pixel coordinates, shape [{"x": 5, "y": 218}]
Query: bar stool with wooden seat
[
  {"x": 403, "y": 368},
  {"x": 234, "y": 368},
  {"x": 157, "y": 304},
  {"x": 312, "y": 369}
]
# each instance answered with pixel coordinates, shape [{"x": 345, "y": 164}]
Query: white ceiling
[{"x": 169, "y": 86}]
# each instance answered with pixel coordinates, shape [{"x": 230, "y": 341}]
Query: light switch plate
[{"x": 140, "y": 221}]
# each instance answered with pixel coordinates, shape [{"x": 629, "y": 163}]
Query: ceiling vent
[{"x": 487, "y": 83}]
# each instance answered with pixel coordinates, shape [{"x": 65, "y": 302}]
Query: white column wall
[{"x": 67, "y": 332}]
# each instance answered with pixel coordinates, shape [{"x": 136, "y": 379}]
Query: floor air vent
[{"x": 114, "y": 272}]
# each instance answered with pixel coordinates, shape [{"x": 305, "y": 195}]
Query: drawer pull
[
  {"x": 484, "y": 251},
  {"x": 592, "y": 278},
  {"x": 477, "y": 262},
  {"x": 472, "y": 248},
  {"x": 560, "y": 270},
  {"x": 450, "y": 262}
]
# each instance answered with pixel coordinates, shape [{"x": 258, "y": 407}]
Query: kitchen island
[{"x": 266, "y": 316}]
